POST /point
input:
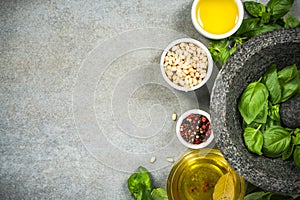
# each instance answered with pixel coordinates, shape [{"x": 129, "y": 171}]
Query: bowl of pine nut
[{"x": 186, "y": 64}]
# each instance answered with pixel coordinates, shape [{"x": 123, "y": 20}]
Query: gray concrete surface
[{"x": 82, "y": 102}]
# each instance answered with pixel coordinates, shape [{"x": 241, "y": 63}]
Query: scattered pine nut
[
  {"x": 174, "y": 117},
  {"x": 169, "y": 159},
  {"x": 152, "y": 160}
]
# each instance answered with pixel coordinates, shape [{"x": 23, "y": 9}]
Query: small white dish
[
  {"x": 186, "y": 143},
  {"x": 197, "y": 44},
  {"x": 209, "y": 35}
]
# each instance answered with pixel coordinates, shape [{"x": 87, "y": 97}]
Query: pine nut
[{"x": 186, "y": 64}]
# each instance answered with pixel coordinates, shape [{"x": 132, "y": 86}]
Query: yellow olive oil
[
  {"x": 195, "y": 175},
  {"x": 217, "y": 16}
]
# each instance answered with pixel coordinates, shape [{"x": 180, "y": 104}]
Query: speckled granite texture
[
  {"x": 289, "y": 112},
  {"x": 247, "y": 65}
]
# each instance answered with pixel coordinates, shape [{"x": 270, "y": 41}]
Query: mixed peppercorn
[
  {"x": 202, "y": 188},
  {"x": 195, "y": 129}
]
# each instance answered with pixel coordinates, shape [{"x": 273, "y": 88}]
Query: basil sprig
[
  {"x": 140, "y": 186},
  {"x": 259, "y": 106},
  {"x": 262, "y": 19}
]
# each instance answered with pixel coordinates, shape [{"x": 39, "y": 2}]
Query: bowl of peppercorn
[{"x": 193, "y": 129}]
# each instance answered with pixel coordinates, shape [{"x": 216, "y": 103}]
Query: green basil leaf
[
  {"x": 224, "y": 55},
  {"x": 271, "y": 122},
  {"x": 276, "y": 141},
  {"x": 159, "y": 194},
  {"x": 296, "y": 136},
  {"x": 299, "y": 87},
  {"x": 296, "y": 156},
  {"x": 289, "y": 80},
  {"x": 276, "y": 196},
  {"x": 256, "y": 195},
  {"x": 290, "y": 88},
  {"x": 139, "y": 183},
  {"x": 218, "y": 50},
  {"x": 215, "y": 55},
  {"x": 278, "y": 8},
  {"x": 237, "y": 41},
  {"x": 253, "y": 101},
  {"x": 254, "y": 140},
  {"x": 271, "y": 81},
  {"x": 217, "y": 45},
  {"x": 261, "y": 29},
  {"x": 232, "y": 50},
  {"x": 291, "y": 21},
  {"x": 255, "y": 9},
  {"x": 252, "y": 188},
  {"x": 262, "y": 116},
  {"x": 288, "y": 73},
  {"x": 247, "y": 26},
  {"x": 274, "y": 112},
  {"x": 253, "y": 124},
  {"x": 144, "y": 194},
  {"x": 289, "y": 152},
  {"x": 265, "y": 18}
]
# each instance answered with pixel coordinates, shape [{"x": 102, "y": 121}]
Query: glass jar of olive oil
[{"x": 196, "y": 174}]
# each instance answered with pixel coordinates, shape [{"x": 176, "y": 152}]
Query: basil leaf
[
  {"x": 260, "y": 30},
  {"x": 262, "y": 116},
  {"x": 296, "y": 136},
  {"x": 296, "y": 156},
  {"x": 254, "y": 140},
  {"x": 224, "y": 55},
  {"x": 247, "y": 26},
  {"x": 271, "y": 81},
  {"x": 144, "y": 194},
  {"x": 274, "y": 112},
  {"x": 289, "y": 80},
  {"x": 139, "y": 184},
  {"x": 276, "y": 141},
  {"x": 276, "y": 196},
  {"x": 278, "y": 8},
  {"x": 299, "y": 86},
  {"x": 288, "y": 73},
  {"x": 255, "y": 9},
  {"x": 159, "y": 194},
  {"x": 253, "y": 101},
  {"x": 217, "y": 45},
  {"x": 253, "y": 124},
  {"x": 218, "y": 50},
  {"x": 237, "y": 41},
  {"x": 256, "y": 195},
  {"x": 265, "y": 18},
  {"x": 271, "y": 122},
  {"x": 290, "y": 88},
  {"x": 289, "y": 152},
  {"x": 291, "y": 21}
]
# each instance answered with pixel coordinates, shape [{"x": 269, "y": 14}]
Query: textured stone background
[{"x": 42, "y": 47}]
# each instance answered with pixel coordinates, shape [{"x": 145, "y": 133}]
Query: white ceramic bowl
[
  {"x": 209, "y": 67},
  {"x": 182, "y": 140},
  {"x": 218, "y": 36}
]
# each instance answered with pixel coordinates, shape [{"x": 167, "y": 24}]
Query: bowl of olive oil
[
  {"x": 217, "y": 19},
  {"x": 196, "y": 174}
]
